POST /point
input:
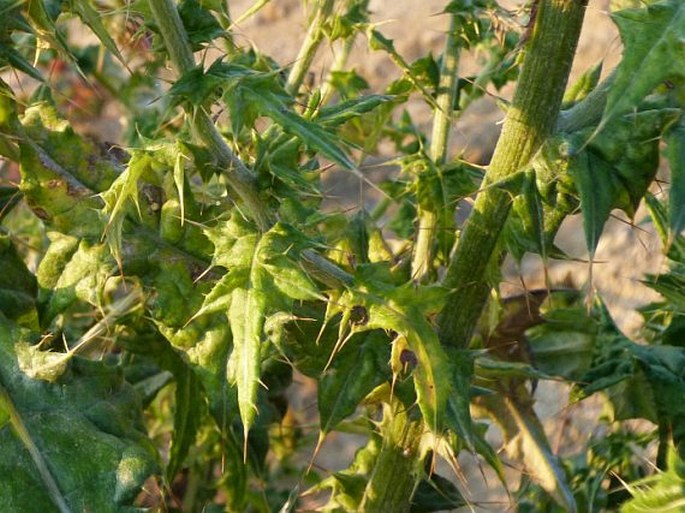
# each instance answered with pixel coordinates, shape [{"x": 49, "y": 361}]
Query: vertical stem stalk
[
  {"x": 240, "y": 179},
  {"x": 442, "y": 121},
  {"x": 530, "y": 120},
  {"x": 397, "y": 469},
  {"x": 310, "y": 45}
]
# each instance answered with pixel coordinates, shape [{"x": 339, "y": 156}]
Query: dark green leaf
[
  {"x": 592, "y": 177},
  {"x": 189, "y": 395},
  {"x": 674, "y": 243},
  {"x": 563, "y": 344},
  {"x": 9, "y": 198},
  {"x": 18, "y": 287},
  {"x": 12, "y": 57},
  {"x": 64, "y": 435},
  {"x": 199, "y": 23},
  {"x": 436, "y": 494},
  {"x": 378, "y": 41},
  {"x": 459, "y": 402},
  {"x": 355, "y": 371}
]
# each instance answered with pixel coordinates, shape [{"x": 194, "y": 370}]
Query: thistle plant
[{"x": 162, "y": 295}]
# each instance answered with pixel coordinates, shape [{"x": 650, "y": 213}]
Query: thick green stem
[
  {"x": 531, "y": 118},
  {"x": 442, "y": 121},
  {"x": 240, "y": 178},
  {"x": 397, "y": 469},
  {"x": 310, "y": 45}
]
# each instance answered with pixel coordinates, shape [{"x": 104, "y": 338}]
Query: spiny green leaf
[
  {"x": 492, "y": 368},
  {"x": 397, "y": 308},
  {"x": 348, "y": 486},
  {"x": 378, "y": 41},
  {"x": 525, "y": 228},
  {"x": 290, "y": 279},
  {"x": 341, "y": 112},
  {"x": 279, "y": 252},
  {"x": 246, "y": 315},
  {"x": 562, "y": 337},
  {"x": 583, "y": 86},
  {"x": 592, "y": 177},
  {"x": 672, "y": 242},
  {"x": 62, "y": 172},
  {"x": 663, "y": 491},
  {"x": 72, "y": 270},
  {"x": 196, "y": 86},
  {"x": 50, "y": 365},
  {"x": 303, "y": 337},
  {"x": 671, "y": 285},
  {"x": 43, "y": 23},
  {"x": 206, "y": 340},
  {"x": 123, "y": 189},
  {"x": 60, "y": 200},
  {"x": 49, "y": 134},
  {"x": 310, "y": 133},
  {"x": 251, "y": 11},
  {"x": 262, "y": 279},
  {"x": 654, "y": 51},
  {"x": 219, "y": 298},
  {"x": 89, "y": 15},
  {"x": 234, "y": 242}
]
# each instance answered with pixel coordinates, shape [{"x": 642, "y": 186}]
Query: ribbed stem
[
  {"x": 310, "y": 45},
  {"x": 530, "y": 120},
  {"x": 442, "y": 121},
  {"x": 397, "y": 469}
]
